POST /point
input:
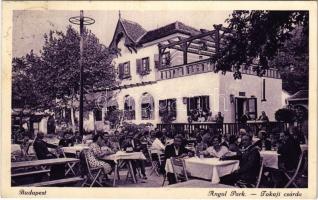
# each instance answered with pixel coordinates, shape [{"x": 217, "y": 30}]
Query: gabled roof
[
  {"x": 137, "y": 35},
  {"x": 176, "y": 27},
  {"x": 133, "y": 29}
]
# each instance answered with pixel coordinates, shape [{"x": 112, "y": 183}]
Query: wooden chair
[
  {"x": 291, "y": 175},
  {"x": 243, "y": 184},
  {"x": 93, "y": 173},
  {"x": 71, "y": 166},
  {"x": 179, "y": 169},
  {"x": 154, "y": 163}
]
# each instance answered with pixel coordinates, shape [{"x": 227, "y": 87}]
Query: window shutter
[
  {"x": 156, "y": 59},
  {"x": 174, "y": 107},
  {"x": 147, "y": 64},
  {"x": 139, "y": 66},
  {"x": 120, "y": 70},
  {"x": 128, "y": 70},
  {"x": 188, "y": 106}
]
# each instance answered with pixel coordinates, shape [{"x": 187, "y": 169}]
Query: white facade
[{"x": 223, "y": 90}]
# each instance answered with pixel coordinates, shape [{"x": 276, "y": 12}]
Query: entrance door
[
  {"x": 245, "y": 104},
  {"x": 239, "y": 108}
]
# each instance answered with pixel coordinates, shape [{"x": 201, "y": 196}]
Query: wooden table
[
  {"x": 40, "y": 163},
  {"x": 127, "y": 157},
  {"x": 74, "y": 149},
  {"x": 45, "y": 162}
]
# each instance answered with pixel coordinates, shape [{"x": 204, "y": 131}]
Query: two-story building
[{"x": 170, "y": 72}]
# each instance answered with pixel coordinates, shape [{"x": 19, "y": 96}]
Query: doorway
[{"x": 243, "y": 104}]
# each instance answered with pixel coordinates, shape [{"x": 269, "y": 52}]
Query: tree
[
  {"x": 23, "y": 92},
  {"x": 54, "y": 74},
  {"x": 257, "y": 37}
]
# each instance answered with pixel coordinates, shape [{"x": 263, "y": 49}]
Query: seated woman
[
  {"x": 96, "y": 152},
  {"x": 216, "y": 150},
  {"x": 201, "y": 145}
]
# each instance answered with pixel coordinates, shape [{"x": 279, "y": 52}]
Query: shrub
[{"x": 285, "y": 115}]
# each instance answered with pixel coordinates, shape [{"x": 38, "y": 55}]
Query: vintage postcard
[{"x": 159, "y": 99}]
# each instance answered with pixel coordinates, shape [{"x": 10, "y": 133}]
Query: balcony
[{"x": 204, "y": 66}]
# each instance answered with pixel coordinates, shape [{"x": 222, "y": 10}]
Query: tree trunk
[
  {"x": 73, "y": 119},
  {"x": 94, "y": 123}
]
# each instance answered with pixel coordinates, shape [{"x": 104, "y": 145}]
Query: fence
[{"x": 232, "y": 128}]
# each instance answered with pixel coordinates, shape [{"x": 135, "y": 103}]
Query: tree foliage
[
  {"x": 54, "y": 73},
  {"x": 258, "y": 36}
]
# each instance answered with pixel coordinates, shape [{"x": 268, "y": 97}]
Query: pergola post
[
  {"x": 185, "y": 53},
  {"x": 217, "y": 38}
]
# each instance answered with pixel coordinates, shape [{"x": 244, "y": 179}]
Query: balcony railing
[
  {"x": 231, "y": 128},
  {"x": 203, "y": 66}
]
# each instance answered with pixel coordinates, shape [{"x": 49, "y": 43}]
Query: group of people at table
[{"x": 245, "y": 147}]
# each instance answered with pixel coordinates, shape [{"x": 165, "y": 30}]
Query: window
[
  {"x": 168, "y": 107},
  {"x": 98, "y": 115},
  {"x": 198, "y": 107},
  {"x": 145, "y": 64},
  {"x": 147, "y": 107},
  {"x": 143, "y": 67},
  {"x": 129, "y": 108},
  {"x": 165, "y": 59},
  {"x": 111, "y": 106},
  {"x": 124, "y": 70}
]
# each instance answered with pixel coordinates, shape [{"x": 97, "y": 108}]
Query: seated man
[
  {"x": 134, "y": 142},
  {"x": 249, "y": 164},
  {"x": 176, "y": 149},
  {"x": 289, "y": 151},
  {"x": 230, "y": 141},
  {"x": 263, "y": 142},
  {"x": 42, "y": 152},
  {"x": 216, "y": 150},
  {"x": 66, "y": 141},
  {"x": 78, "y": 138}
]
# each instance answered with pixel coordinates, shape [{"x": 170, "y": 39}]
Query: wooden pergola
[{"x": 206, "y": 43}]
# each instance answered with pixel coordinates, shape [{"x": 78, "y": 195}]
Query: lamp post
[{"x": 81, "y": 21}]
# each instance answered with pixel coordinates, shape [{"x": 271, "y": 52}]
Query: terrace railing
[
  {"x": 232, "y": 128},
  {"x": 203, "y": 66}
]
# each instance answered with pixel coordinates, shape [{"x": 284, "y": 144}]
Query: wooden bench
[
  {"x": 44, "y": 171},
  {"x": 55, "y": 182}
]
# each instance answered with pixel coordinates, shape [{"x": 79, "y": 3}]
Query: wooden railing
[
  {"x": 232, "y": 128},
  {"x": 203, "y": 66}
]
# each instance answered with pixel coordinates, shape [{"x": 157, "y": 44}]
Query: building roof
[
  {"x": 175, "y": 27},
  {"x": 138, "y": 35},
  {"x": 133, "y": 29},
  {"x": 300, "y": 95}
]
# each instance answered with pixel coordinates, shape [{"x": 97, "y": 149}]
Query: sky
[{"x": 30, "y": 26}]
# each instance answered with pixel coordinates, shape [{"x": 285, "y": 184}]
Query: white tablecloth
[
  {"x": 270, "y": 158},
  {"x": 207, "y": 168},
  {"x": 121, "y": 155},
  {"x": 74, "y": 149}
]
